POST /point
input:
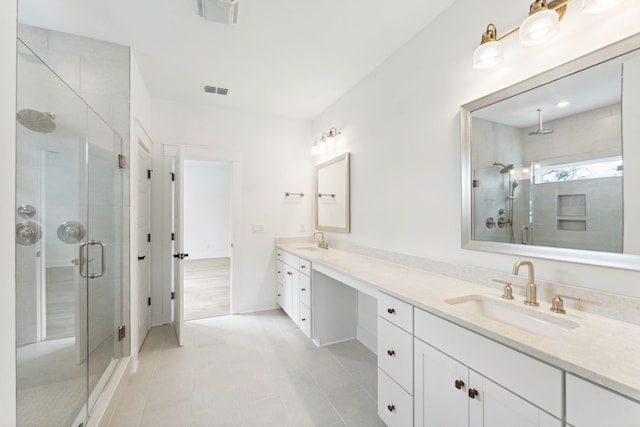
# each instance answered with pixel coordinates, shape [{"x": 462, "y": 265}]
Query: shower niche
[{"x": 69, "y": 249}]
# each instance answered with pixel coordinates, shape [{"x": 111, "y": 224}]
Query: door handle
[
  {"x": 83, "y": 264},
  {"x": 180, "y": 255},
  {"x": 140, "y": 258}
]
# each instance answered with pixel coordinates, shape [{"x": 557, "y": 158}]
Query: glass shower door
[{"x": 68, "y": 237}]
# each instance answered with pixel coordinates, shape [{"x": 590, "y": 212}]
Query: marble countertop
[{"x": 603, "y": 350}]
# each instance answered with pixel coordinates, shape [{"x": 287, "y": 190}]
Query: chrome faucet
[
  {"x": 321, "y": 243},
  {"x": 530, "y": 290}
]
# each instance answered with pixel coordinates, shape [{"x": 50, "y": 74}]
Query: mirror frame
[
  {"x": 607, "y": 259},
  {"x": 347, "y": 228}
]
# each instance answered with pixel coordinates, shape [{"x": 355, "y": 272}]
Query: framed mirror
[
  {"x": 333, "y": 204},
  {"x": 551, "y": 166}
]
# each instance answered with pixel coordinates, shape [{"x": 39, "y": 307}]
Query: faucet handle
[
  {"x": 557, "y": 304},
  {"x": 507, "y": 291}
]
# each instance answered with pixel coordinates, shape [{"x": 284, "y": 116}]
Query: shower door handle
[{"x": 83, "y": 264}]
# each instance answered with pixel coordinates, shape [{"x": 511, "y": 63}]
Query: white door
[
  {"x": 178, "y": 244},
  {"x": 144, "y": 291}
]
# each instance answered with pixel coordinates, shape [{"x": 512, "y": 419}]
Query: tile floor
[{"x": 249, "y": 370}]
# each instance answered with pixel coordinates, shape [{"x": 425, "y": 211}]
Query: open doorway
[{"x": 207, "y": 238}]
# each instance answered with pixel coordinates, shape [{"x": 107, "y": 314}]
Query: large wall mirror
[
  {"x": 332, "y": 195},
  {"x": 551, "y": 166}
]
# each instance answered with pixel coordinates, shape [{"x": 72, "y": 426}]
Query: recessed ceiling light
[{"x": 562, "y": 104}]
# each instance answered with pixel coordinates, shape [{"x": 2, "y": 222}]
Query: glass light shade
[
  {"x": 539, "y": 27},
  {"x": 598, "y": 6},
  {"x": 331, "y": 141},
  {"x": 315, "y": 150},
  {"x": 487, "y": 55}
]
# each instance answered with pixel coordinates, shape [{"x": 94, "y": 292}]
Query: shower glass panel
[{"x": 68, "y": 249}]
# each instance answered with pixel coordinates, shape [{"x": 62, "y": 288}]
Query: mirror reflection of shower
[{"x": 505, "y": 217}]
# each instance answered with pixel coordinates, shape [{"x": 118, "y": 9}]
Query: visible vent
[
  {"x": 216, "y": 90},
  {"x": 221, "y": 11}
]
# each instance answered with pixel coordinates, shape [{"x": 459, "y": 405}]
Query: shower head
[
  {"x": 540, "y": 130},
  {"x": 37, "y": 121},
  {"x": 514, "y": 184},
  {"x": 505, "y": 168}
]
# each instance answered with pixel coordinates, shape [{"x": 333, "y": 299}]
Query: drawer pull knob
[
  {"x": 391, "y": 408},
  {"x": 289, "y": 273},
  {"x": 303, "y": 319},
  {"x": 459, "y": 384},
  {"x": 473, "y": 393},
  {"x": 303, "y": 289},
  {"x": 279, "y": 295},
  {"x": 391, "y": 310},
  {"x": 304, "y": 266},
  {"x": 391, "y": 352}
]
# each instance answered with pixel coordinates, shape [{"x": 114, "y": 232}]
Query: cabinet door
[
  {"x": 290, "y": 290},
  {"x": 495, "y": 406},
  {"x": 589, "y": 405},
  {"x": 440, "y": 389}
]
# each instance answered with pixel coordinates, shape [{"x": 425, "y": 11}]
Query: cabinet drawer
[
  {"x": 305, "y": 266},
  {"x": 533, "y": 380},
  {"x": 395, "y": 353},
  {"x": 395, "y": 406},
  {"x": 395, "y": 311},
  {"x": 305, "y": 290},
  {"x": 591, "y": 405},
  {"x": 305, "y": 319},
  {"x": 291, "y": 260},
  {"x": 280, "y": 271}
]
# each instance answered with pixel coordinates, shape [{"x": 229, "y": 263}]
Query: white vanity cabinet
[
  {"x": 395, "y": 361},
  {"x": 294, "y": 288},
  {"x": 589, "y": 405},
  {"x": 464, "y": 379}
]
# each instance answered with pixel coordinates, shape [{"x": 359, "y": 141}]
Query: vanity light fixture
[
  {"x": 326, "y": 140},
  {"x": 541, "y": 24},
  {"x": 598, "y": 6}
]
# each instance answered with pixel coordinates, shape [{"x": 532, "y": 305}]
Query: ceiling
[{"x": 291, "y": 58}]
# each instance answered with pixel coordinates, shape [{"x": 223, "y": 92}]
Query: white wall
[
  {"x": 8, "y": 16},
  {"x": 273, "y": 157},
  {"x": 405, "y": 140},
  {"x": 140, "y": 127},
  {"x": 207, "y": 209}
]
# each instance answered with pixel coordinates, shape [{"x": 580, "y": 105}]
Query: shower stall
[{"x": 70, "y": 249}]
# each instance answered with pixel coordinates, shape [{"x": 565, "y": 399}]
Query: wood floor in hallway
[{"x": 207, "y": 288}]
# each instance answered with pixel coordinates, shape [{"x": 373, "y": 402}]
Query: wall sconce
[
  {"x": 327, "y": 139},
  {"x": 542, "y": 24}
]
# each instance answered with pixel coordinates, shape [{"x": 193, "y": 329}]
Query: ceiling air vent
[
  {"x": 216, "y": 90},
  {"x": 221, "y": 11}
]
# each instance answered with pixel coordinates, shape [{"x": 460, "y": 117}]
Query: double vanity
[{"x": 453, "y": 353}]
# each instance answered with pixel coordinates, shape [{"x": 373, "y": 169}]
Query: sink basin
[
  {"x": 310, "y": 248},
  {"x": 509, "y": 313}
]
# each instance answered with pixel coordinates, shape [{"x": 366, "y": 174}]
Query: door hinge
[
  {"x": 149, "y": 237},
  {"x": 149, "y": 173},
  {"x": 122, "y": 161},
  {"x": 173, "y": 176},
  {"x": 149, "y": 301},
  {"x": 122, "y": 332},
  {"x": 173, "y": 295},
  {"x": 173, "y": 236}
]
